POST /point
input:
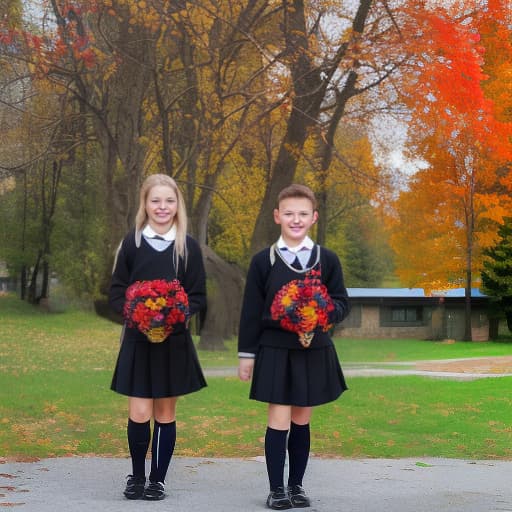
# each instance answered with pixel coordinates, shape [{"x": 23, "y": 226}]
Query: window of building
[{"x": 401, "y": 316}]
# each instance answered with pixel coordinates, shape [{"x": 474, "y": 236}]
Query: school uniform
[
  {"x": 171, "y": 367},
  {"x": 285, "y": 372}
]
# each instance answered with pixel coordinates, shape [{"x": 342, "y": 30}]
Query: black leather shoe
[
  {"x": 134, "y": 487},
  {"x": 298, "y": 497},
  {"x": 278, "y": 500},
  {"x": 154, "y": 491}
]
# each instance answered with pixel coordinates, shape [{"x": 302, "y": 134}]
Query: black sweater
[
  {"x": 145, "y": 263},
  {"x": 265, "y": 280}
]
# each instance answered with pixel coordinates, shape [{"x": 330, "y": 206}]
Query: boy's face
[{"x": 295, "y": 215}]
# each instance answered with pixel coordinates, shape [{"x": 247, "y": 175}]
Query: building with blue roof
[{"x": 410, "y": 313}]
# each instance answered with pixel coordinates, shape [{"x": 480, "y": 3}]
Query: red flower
[
  {"x": 155, "y": 307},
  {"x": 302, "y": 306}
]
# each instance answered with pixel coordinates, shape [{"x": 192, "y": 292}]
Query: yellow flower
[
  {"x": 309, "y": 312},
  {"x": 151, "y": 304},
  {"x": 286, "y": 301},
  {"x": 309, "y": 318}
]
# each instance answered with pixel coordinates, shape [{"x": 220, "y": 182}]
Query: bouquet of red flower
[
  {"x": 155, "y": 307},
  {"x": 303, "y": 305}
]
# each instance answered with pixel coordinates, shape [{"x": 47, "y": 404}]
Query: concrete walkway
[
  {"x": 237, "y": 485},
  {"x": 458, "y": 369},
  {"x": 455, "y": 369}
]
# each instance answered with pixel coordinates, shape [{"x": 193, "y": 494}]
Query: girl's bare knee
[
  {"x": 279, "y": 416},
  {"x": 301, "y": 415},
  {"x": 140, "y": 409},
  {"x": 165, "y": 409}
]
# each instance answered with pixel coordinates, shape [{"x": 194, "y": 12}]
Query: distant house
[
  {"x": 7, "y": 284},
  {"x": 409, "y": 313}
]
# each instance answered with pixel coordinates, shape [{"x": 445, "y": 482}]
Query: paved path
[
  {"x": 237, "y": 485},
  {"x": 457, "y": 369}
]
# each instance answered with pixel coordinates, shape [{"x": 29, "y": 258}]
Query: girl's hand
[{"x": 245, "y": 368}]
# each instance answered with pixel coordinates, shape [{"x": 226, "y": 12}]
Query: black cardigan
[{"x": 264, "y": 280}]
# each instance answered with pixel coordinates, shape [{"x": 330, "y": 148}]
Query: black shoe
[
  {"x": 298, "y": 497},
  {"x": 134, "y": 487},
  {"x": 154, "y": 491},
  {"x": 278, "y": 500}
]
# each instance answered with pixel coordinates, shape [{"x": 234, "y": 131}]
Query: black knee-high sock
[
  {"x": 299, "y": 442},
  {"x": 275, "y": 455},
  {"x": 162, "y": 448},
  {"x": 139, "y": 435}
]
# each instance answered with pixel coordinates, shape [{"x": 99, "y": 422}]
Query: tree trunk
[
  {"x": 327, "y": 150},
  {"x": 45, "y": 284},
  {"x": 49, "y": 193},
  {"x": 225, "y": 282},
  {"x": 508, "y": 316},
  {"x": 24, "y": 267},
  {"x": 321, "y": 198},
  {"x": 187, "y": 132},
  {"x": 23, "y": 282},
  {"x": 32, "y": 290},
  {"x": 202, "y": 211},
  {"x": 468, "y": 334},
  {"x": 225, "y": 289},
  {"x": 470, "y": 233}
]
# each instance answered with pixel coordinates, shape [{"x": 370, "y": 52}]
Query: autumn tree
[
  {"x": 209, "y": 93},
  {"x": 452, "y": 209},
  {"x": 184, "y": 113},
  {"x": 311, "y": 76},
  {"x": 34, "y": 142},
  {"x": 494, "y": 29}
]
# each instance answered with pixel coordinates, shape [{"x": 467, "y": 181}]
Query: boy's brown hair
[{"x": 297, "y": 190}]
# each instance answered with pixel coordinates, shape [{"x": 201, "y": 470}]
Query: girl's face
[
  {"x": 161, "y": 207},
  {"x": 295, "y": 215}
]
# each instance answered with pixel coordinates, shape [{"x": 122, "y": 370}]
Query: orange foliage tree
[{"x": 451, "y": 211}]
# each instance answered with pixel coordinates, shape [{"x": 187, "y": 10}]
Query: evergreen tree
[
  {"x": 497, "y": 272},
  {"x": 366, "y": 257}
]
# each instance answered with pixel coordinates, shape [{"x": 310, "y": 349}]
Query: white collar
[
  {"x": 307, "y": 243},
  {"x": 149, "y": 232}
]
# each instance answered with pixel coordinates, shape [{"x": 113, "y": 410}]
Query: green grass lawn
[{"x": 55, "y": 372}]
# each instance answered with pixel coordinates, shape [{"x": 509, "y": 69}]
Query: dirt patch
[{"x": 484, "y": 365}]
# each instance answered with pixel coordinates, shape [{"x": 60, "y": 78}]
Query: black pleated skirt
[
  {"x": 301, "y": 377},
  {"x": 157, "y": 370}
]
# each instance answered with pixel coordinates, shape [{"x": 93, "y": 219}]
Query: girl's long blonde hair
[{"x": 180, "y": 219}]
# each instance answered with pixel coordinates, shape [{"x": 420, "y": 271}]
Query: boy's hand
[{"x": 245, "y": 368}]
